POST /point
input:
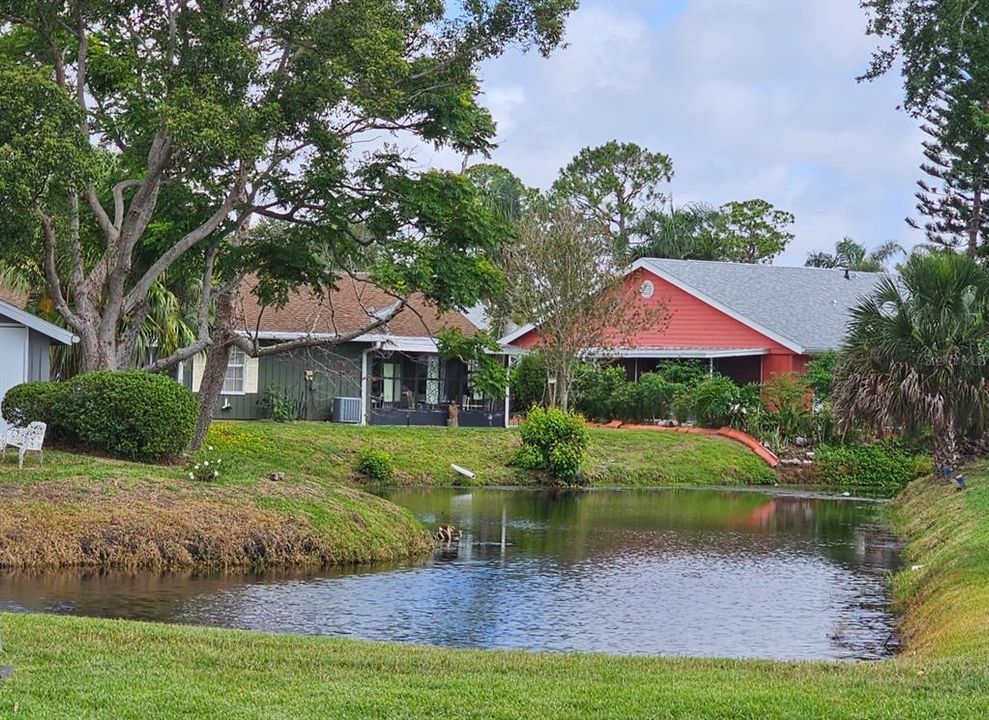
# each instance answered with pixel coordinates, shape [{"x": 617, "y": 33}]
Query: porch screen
[{"x": 391, "y": 376}]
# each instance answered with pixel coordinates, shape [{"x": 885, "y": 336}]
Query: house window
[
  {"x": 233, "y": 381},
  {"x": 391, "y": 375}
]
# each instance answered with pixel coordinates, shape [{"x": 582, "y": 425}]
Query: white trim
[
  {"x": 643, "y": 263},
  {"x": 401, "y": 343},
  {"x": 243, "y": 374},
  {"x": 364, "y": 379},
  {"x": 660, "y": 352},
  {"x": 508, "y": 387},
  {"x": 516, "y": 334},
  {"x": 22, "y": 317}
]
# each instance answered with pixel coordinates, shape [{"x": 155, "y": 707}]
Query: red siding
[{"x": 692, "y": 322}]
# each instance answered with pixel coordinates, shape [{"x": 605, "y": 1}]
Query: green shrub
[
  {"x": 786, "y": 400},
  {"x": 682, "y": 406},
  {"x": 683, "y": 372},
  {"x": 133, "y": 415},
  {"x": 33, "y": 401},
  {"x": 554, "y": 441},
  {"x": 820, "y": 374},
  {"x": 714, "y": 401},
  {"x": 375, "y": 464},
  {"x": 281, "y": 405},
  {"x": 601, "y": 393},
  {"x": 528, "y": 382},
  {"x": 653, "y": 395},
  {"x": 880, "y": 468}
]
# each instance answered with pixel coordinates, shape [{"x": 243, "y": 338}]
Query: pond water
[{"x": 664, "y": 572}]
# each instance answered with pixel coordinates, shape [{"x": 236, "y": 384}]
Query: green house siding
[{"x": 311, "y": 378}]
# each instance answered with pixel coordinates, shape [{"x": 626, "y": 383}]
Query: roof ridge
[{"x": 763, "y": 265}]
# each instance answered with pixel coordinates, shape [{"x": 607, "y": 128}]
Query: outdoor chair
[{"x": 30, "y": 438}]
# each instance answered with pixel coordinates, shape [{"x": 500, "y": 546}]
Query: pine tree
[{"x": 952, "y": 198}]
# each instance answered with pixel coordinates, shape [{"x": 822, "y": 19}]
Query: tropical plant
[
  {"x": 855, "y": 256},
  {"x": 916, "y": 354},
  {"x": 682, "y": 233}
]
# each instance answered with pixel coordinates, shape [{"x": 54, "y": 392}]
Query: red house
[{"x": 748, "y": 322}]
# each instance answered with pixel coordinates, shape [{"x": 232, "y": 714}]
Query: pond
[{"x": 663, "y": 572}]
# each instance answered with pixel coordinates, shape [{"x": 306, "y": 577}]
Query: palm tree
[
  {"x": 855, "y": 256},
  {"x": 916, "y": 356},
  {"x": 680, "y": 233}
]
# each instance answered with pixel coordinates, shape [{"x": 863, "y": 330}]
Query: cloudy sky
[{"x": 749, "y": 99}]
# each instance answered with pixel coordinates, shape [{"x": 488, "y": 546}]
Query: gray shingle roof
[{"x": 803, "y": 307}]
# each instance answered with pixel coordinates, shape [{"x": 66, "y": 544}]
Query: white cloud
[{"x": 748, "y": 98}]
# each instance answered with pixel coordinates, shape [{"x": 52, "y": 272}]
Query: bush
[
  {"x": 33, "y": 401},
  {"x": 682, "y": 406},
  {"x": 683, "y": 372},
  {"x": 133, "y": 415},
  {"x": 880, "y": 468},
  {"x": 283, "y": 408},
  {"x": 654, "y": 396},
  {"x": 715, "y": 400},
  {"x": 602, "y": 393},
  {"x": 528, "y": 382},
  {"x": 786, "y": 399},
  {"x": 554, "y": 441},
  {"x": 820, "y": 374},
  {"x": 376, "y": 465}
]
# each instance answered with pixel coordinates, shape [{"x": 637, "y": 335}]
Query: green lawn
[
  {"x": 80, "y": 510},
  {"x": 82, "y": 668},
  {"x": 423, "y": 455}
]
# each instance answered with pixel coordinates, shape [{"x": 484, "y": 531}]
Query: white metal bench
[{"x": 30, "y": 438}]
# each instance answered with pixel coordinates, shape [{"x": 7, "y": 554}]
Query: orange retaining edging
[{"x": 731, "y": 433}]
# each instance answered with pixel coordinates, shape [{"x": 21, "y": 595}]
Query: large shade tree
[
  {"x": 144, "y": 140},
  {"x": 916, "y": 356}
]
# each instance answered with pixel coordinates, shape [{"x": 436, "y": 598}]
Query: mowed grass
[
  {"x": 81, "y": 510},
  {"x": 423, "y": 455},
  {"x": 86, "y": 668}
]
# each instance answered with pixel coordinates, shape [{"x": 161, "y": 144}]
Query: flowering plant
[{"x": 205, "y": 467}]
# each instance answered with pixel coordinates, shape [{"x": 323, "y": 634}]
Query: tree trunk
[
  {"x": 945, "y": 448},
  {"x": 975, "y": 223},
  {"x": 216, "y": 367}
]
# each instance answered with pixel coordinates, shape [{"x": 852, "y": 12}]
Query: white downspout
[
  {"x": 508, "y": 388},
  {"x": 364, "y": 385}
]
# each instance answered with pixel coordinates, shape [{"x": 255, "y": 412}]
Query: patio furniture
[{"x": 30, "y": 438}]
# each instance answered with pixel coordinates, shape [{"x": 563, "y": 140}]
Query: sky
[{"x": 749, "y": 99}]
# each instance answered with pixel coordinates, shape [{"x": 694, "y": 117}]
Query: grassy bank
[
  {"x": 92, "y": 512},
  {"x": 422, "y": 456},
  {"x": 70, "y": 667},
  {"x": 944, "y": 587},
  {"x": 78, "y": 510}
]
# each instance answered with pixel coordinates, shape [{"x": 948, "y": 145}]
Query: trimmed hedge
[
  {"x": 879, "y": 468},
  {"x": 132, "y": 415},
  {"x": 32, "y": 401}
]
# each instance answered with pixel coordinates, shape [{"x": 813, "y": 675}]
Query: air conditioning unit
[{"x": 346, "y": 410}]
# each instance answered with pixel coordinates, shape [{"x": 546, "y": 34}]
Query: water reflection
[{"x": 739, "y": 574}]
